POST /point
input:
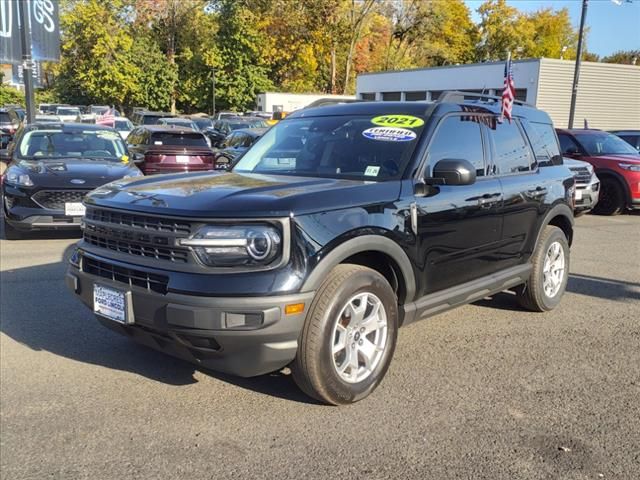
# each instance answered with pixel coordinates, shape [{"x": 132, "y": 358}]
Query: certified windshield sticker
[
  {"x": 389, "y": 134},
  {"x": 406, "y": 121},
  {"x": 372, "y": 171},
  {"x": 124, "y": 159}
]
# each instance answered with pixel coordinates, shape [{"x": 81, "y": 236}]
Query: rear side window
[
  {"x": 460, "y": 138},
  {"x": 567, "y": 144},
  {"x": 181, "y": 139},
  {"x": 150, "y": 119},
  {"x": 511, "y": 151},
  {"x": 544, "y": 143}
]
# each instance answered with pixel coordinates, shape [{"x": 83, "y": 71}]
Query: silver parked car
[{"x": 587, "y": 185}]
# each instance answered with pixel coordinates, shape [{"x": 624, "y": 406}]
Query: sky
[{"x": 611, "y": 27}]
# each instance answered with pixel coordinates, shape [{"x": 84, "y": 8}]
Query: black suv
[{"x": 341, "y": 224}]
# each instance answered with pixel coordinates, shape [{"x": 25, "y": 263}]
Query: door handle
[
  {"x": 538, "y": 192},
  {"x": 489, "y": 199}
]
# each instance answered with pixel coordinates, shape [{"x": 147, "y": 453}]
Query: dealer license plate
[
  {"x": 74, "y": 209},
  {"x": 182, "y": 158},
  {"x": 111, "y": 303}
]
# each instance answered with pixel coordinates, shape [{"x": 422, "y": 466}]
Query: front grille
[
  {"x": 128, "y": 276},
  {"x": 55, "y": 199},
  {"x": 138, "y": 221},
  {"x": 138, "y": 235},
  {"x": 581, "y": 174}
]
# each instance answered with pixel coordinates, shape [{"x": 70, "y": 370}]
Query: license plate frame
[
  {"x": 74, "y": 209},
  {"x": 112, "y": 303}
]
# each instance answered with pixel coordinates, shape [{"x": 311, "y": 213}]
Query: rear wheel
[
  {"x": 550, "y": 272},
  {"x": 611, "y": 201},
  {"x": 349, "y": 336}
]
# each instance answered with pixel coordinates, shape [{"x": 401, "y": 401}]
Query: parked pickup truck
[{"x": 341, "y": 224}]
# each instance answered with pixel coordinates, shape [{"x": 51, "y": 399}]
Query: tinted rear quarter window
[
  {"x": 180, "y": 139},
  {"x": 511, "y": 151},
  {"x": 543, "y": 140}
]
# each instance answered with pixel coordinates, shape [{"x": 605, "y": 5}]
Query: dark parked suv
[{"x": 338, "y": 226}]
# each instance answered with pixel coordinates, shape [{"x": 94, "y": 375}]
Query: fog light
[{"x": 294, "y": 309}]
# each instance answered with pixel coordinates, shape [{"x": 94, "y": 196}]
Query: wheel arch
[
  {"x": 603, "y": 173},
  {"x": 560, "y": 216},
  {"x": 374, "y": 251}
]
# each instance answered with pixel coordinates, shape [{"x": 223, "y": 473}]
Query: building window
[
  {"x": 368, "y": 96},
  {"x": 435, "y": 94},
  {"x": 391, "y": 96},
  {"x": 415, "y": 96},
  {"x": 521, "y": 94}
]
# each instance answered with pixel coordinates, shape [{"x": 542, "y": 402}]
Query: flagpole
[{"x": 576, "y": 72}]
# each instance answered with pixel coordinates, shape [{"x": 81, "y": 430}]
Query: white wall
[
  {"x": 475, "y": 76},
  {"x": 267, "y": 102}
]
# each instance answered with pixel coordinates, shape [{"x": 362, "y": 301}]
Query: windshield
[
  {"x": 151, "y": 119},
  {"x": 203, "y": 123},
  {"x": 247, "y": 124},
  {"x": 338, "y": 147},
  {"x": 44, "y": 144},
  {"x": 169, "y": 138},
  {"x": 99, "y": 110},
  {"x": 604, "y": 144},
  {"x": 123, "y": 125},
  {"x": 67, "y": 111},
  {"x": 178, "y": 122}
]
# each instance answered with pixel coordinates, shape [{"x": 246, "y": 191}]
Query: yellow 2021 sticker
[
  {"x": 407, "y": 121},
  {"x": 124, "y": 159}
]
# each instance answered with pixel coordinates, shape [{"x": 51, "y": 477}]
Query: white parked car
[
  {"x": 68, "y": 114},
  {"x": 124, "y": 126}
]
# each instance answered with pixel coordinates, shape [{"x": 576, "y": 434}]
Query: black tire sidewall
[
  {"x": 615, "y": 196},
  {"x": 549, "y": 303},
  {"x": 370, "y": 281}
]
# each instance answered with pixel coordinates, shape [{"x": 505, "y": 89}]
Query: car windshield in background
[
  {"x": 604, "y": 144},
  {"x": 186, "y": 139},
  {"x": 123, "y": 125},
  {"x": 58, "y": 144},
  {"x": 203, "y": 123},
  {"x": 4, "y": 117},
  {"x": 351, "y": 147},
  {"x": 151, "y": 119},
  {"x": 248, "y": 124},
  {"x": 179, "y": 123},
  {"x": 68, "y": 111}
]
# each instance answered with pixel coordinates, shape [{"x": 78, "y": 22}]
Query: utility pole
[
  {"x": 576, "y": 73},
  {"x": 27, "y": 63},
  {"x": 213, "y": 92}
]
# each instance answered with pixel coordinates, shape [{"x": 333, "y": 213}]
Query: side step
[{"x": 469, "y": 292}]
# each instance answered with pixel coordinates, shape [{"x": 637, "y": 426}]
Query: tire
[
  {"x": 537, "y": 295},
  {"x": 10, "y": 233},
  {"x": 611, "y": 201},
  {"x": 330, "y": 322}
]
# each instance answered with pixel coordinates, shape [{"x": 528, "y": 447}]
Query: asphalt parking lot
[{"x": 485, "y": 391}]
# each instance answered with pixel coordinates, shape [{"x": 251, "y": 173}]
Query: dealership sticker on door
[{"x": 389, "y": 134}]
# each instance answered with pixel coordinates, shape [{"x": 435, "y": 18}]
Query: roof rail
[{"x": 459, "y": 96}]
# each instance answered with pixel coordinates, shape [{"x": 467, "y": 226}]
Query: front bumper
[
  {"x": 588, "y": 193},
  {"x": 207, "y": 331}
]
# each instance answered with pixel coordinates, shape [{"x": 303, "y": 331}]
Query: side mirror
[
  {"x": 138, "y": 158},
  {"x": 5, "y": 156},
  {"x": 453, "y": 172}
]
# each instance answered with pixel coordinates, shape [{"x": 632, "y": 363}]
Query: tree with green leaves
[{"x": 629, "y": 57}]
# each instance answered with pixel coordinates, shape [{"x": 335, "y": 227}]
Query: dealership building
[{"x": 608, "y": 93}]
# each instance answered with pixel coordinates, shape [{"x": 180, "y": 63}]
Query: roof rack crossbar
[{"x": 459, "y": 96}]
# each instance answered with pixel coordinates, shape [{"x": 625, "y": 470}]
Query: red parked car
[
  {"x": 616, "y": 163},
  {"x": 165, "y": 149}
]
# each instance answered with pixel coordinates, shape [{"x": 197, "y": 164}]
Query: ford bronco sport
[{"x": 341, "y": 224}]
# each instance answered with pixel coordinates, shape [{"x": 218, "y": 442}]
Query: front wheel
[
  {"x": 611, "y": 201},
  {"x": 349, "y": 336},
  {"x": 548, "y": 281}
]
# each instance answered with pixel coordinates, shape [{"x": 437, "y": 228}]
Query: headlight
[
  {"x": 17, "y": 178},
  {"x": 634, "y": 167},
  {"x": 229, "y": 246}
]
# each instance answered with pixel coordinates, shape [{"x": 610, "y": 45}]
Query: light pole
[
  {"x": 27, "y": 62},
  {"x": 213, "y": 92},
  {"x": 576, "y": 72}
]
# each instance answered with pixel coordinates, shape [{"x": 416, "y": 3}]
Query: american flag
[
  {"x": 509, "y": 91},
  {"x": 107, "y": 118}
]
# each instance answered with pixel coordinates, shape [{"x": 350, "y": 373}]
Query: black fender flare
[
  {"x": 360, "y": 244},
  {"x": 560, "y": 209}
]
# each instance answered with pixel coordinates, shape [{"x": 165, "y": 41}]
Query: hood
[
  {"x": 71, "y": 173},
  {"x": 214, "y": 194},
  {"x": 614, "y": 158}
]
